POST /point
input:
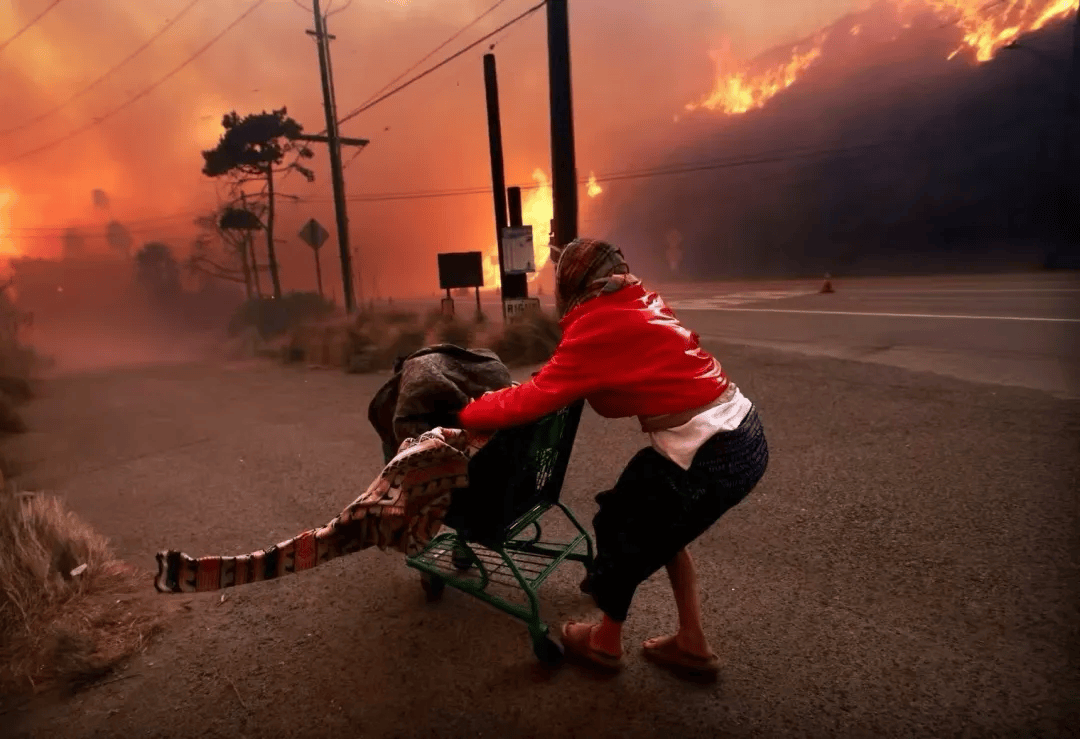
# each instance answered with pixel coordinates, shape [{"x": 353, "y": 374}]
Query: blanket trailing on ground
[
  {"x": 440, "y": 376},
  {"x": 401, "y": 510}
]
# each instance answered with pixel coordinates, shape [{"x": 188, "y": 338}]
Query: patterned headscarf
[{"x": 588, "y": 268}]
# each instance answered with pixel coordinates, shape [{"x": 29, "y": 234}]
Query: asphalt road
[
  {"x": 908, "y": 567},
  {"x": 1021, "y": 329}
]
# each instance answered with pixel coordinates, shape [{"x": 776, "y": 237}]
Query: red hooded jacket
[{"x": 624, "y": 352}]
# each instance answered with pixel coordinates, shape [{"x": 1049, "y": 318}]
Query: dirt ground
[{"x": 908, "y": 567}]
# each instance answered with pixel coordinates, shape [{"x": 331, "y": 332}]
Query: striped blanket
[{"x": 401, "y": 511}]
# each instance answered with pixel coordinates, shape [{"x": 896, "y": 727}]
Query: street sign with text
[{"x": 516, "y": 309}]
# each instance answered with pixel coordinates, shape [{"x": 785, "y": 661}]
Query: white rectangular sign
[
  {"x": 516, "y": 308},
  {"x": 518, "y": 257}
]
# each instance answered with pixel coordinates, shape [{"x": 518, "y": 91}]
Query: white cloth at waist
[{"x": 681, "y": 443}]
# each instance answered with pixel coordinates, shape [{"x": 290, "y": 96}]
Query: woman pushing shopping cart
[{"x": 624, "y": 351}]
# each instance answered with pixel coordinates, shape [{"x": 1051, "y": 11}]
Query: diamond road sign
[{"x": 314, "y": 234}]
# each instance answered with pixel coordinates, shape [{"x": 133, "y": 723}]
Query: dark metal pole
[
  {"x": 1072, "y": 151},
  {"x": 563, "y": 164},
  {"x": 516, "y": 286},
  {"x": 334, "y": 145},
  {"x": 498, "y": 176},
  {"x": 513, "y": 201},
  {"x": 318, "y": 272}
]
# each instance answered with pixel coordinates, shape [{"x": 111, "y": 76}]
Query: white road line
[{"x": 898, "y": 315}]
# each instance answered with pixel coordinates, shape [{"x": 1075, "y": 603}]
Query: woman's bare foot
[
  {"x": 671, "y": 651},
  {"x": 697, "y": 648}
]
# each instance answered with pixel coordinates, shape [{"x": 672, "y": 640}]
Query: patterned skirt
[{"x": 656, "y": 508}]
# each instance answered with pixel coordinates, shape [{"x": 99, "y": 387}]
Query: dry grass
[
  {"x": 529, "y": 341},
  {"x": 57, "y": 630},
  {"x": 372, "y": 342}
]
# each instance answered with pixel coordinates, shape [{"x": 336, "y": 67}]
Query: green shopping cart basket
[{"x": 496, "y": 539}]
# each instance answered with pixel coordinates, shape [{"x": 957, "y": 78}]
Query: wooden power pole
[{"x": 334, "y": 144}]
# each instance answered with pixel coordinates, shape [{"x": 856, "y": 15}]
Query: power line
[
  {"x": 330, "y": 12},
  {"x": 118, "y": 65},
  {"x": 430, "y": 54},
  {"x": 767, "y": 158},
  {"x": 141, "y": 94},
  {"x": 776, "y": 156},
  {"x": 28, "y": 26},
  {"x": 455, "y": 192},
  {"x": 436, "y": 50},
  {"x": 773, "y": 157},
  {"x": 372, "y": 103}
]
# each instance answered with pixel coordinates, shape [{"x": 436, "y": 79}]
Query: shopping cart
[{"x": 513, "y": 481}]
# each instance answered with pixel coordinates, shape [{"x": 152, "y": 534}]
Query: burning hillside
[
  {"x": 983, "y": 27},
  {"x": 873, "y": 145}
]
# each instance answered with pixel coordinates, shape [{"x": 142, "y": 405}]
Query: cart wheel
[
  {"x": 549, "y": 652},
  {"x": 433, "y": 586},
  {"x": 462, "y": 561}
]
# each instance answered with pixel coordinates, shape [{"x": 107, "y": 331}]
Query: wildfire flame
[
  {"x": 742, "y": 91},
  {"x": 986, "y": 25},
  {"x": 594, "y": 188},
  {"x": 537, "y": 210}
]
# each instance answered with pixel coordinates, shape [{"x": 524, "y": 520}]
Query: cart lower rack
[{"x": 513, "y": 481}]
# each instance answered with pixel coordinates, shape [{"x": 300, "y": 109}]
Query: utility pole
[
  {"x": 334, "y": 144},
  {"x": 513, "y": 197},
  {"x": 513, "y": 286},
  {"x": 1072, "y": 150},
  {"x": 563, "y": 165},
  {"x": 513, "y": 202},
  {"x": 318, "y": 272}
]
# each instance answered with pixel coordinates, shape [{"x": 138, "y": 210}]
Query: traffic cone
[{"x": 827, "y": 287}]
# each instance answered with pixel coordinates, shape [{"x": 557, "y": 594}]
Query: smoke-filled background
[{"x": 778, "y": 137}]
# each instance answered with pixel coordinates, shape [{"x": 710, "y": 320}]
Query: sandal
[
  {"x": 579, "y": 647},
  {"x": 666, "y": 653}
]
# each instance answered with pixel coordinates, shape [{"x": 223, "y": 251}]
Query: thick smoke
[{"x": 635, "y": 63}]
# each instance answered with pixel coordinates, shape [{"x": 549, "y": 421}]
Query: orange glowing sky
[{"x": 629, "y": 75}]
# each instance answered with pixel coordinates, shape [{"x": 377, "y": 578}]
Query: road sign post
[
  {"x": 518, "y": 259},
  {"x": 460, "y": 270},
  {"x": 314, "y": 235}
]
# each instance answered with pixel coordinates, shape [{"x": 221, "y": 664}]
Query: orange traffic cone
[{"x": 827, "y": 287}]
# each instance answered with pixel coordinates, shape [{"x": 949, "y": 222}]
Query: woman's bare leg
[{"x": 691, "y": 635}]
